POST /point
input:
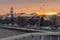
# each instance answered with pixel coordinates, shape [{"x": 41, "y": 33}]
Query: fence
[{"x": 36, "y": 36}]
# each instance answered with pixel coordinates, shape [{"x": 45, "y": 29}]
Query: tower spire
[{"x": 11, "y": 10}]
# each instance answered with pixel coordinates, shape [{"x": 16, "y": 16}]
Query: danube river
[{"x": 7, "y": 33}]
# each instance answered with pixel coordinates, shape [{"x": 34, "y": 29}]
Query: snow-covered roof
[
  {"x": 3, "y": 17},
  {"x": 9, "y": 15},
  {"x": 58, "y": 14},
  {"x": 25, "y": 15},
  {"x": 33, "y": 14},
  {"x": 47, "y": 17}
]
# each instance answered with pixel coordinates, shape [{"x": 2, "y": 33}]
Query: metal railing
[{"x": 36, "y": 36}]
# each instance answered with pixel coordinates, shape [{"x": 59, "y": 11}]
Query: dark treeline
[{"x": 34, "y": 22}]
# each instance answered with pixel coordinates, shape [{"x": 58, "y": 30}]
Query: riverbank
[{"x": 22, "y": 29}]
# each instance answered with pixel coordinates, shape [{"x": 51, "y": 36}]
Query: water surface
[{"x": 7, "y": 33}]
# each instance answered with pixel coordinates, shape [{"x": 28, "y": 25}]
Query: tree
[
  {"x": 31, "y": 21},
  {"x": 7, "y": 20},
  {"x": 21, "y": 21},
  {"x": 18, "y": 20},
  {"x": 54, "y": 24},
  {"x": 12, "y": 21},
  {"x": 42, "y": 21}
]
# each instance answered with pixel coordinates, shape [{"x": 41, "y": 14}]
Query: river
[{"x": 7, "y": 33}]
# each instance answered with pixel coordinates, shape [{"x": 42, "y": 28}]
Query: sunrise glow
[
  {"x": 51, "y": 13},
  {"x": 28, "y": 6}
]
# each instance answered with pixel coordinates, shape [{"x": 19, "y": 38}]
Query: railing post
[
  {"x": 58, "y": 37},
  {"x": 42, "y": 37},
  {"x": 50, "y": 37},
  {"x": 32, "y": 36},
  {"x": 24, "y": 38}
]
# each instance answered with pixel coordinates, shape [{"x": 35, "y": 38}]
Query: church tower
[{"x": 11, "y": 10}]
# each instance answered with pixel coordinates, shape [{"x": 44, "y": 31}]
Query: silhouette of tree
[
  {"x": 18, "y": 20},
  {"x": 31, "y": 21},
  {"x": 42, "y": 21},
  {"x": 0, "y": 20},
  {"x": 21, "y": 21},
  {"x": 54, "y": 23},
  {"x": 7, "y": 20},
  {"x": 12, "y": 19}
]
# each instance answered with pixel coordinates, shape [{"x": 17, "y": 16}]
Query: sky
[{"x": 30, "y": 6}]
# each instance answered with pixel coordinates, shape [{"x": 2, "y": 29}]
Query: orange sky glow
[{"x": 39, "y": 8}]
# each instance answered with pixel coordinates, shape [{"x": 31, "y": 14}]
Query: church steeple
[
  {"x": 11, "y": 10},
  {"x": 12, "y": 14}
]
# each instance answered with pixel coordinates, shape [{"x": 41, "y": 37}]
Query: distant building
[
  {"x": 47, "y": 17},
  {"x": 25, "y": 15},
  {"x": 33, "y": 14},
  {"x": 11, "y": 17},
  {"x": 47, "y": 20},
  {"x": 57, "y": 17},
  {"x": 11, "y": 14},
  {"x": 3, "y": 17}
]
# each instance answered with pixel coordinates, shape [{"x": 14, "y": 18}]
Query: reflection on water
[{"x": 7, "y": 33}]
